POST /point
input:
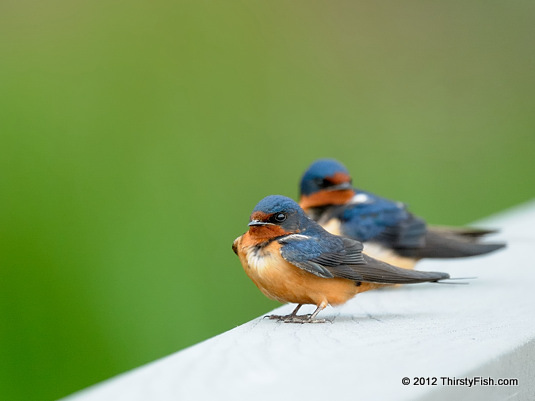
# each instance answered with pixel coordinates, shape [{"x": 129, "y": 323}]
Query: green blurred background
[{"x": 136, "y": 137}]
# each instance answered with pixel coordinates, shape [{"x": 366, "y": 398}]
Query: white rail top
[{"x": 432, "y": 331}]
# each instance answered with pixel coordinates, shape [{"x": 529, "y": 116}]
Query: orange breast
[{"x": 284, "y": 282}]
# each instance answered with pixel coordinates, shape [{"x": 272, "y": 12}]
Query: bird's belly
[
  {"x": 388, "y": 255},
  {"x": 284, "y": 282}
]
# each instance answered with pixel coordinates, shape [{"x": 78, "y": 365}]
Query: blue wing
[
  {"x": 323, "y": 255},
  {"x": 379, "y": 219}
]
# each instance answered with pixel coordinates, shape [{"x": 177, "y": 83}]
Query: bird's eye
[
  {"x": 279, "y": 217},
  {"x": 322, "y": 182}
]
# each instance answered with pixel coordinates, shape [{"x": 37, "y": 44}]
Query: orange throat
[
  {"x": 325, "y": 198},
  {"x": 261, "y": 234}
]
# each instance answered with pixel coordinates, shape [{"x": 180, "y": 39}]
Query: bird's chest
[
  {"x": 273, "y": 275},
  {"x": 263, "y": 263}
]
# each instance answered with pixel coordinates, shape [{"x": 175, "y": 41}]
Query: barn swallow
[
  {"x": 389, "y": 231},
  {"x": 293, "y": 259}
]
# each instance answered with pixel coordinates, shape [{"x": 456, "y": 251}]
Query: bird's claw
[{"x": 296, "y": 319}]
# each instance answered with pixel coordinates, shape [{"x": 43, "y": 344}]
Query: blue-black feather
[{"x": 366, "y": 220}]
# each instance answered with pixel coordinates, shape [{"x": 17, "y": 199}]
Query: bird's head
[
  {"x": 325, "y": 182},
  {"x": 277, "y": 215}
]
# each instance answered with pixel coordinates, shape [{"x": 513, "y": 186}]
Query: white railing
[{"x": 425, "y": 333}]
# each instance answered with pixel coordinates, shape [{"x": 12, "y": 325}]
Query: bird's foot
[{"x": 297, "y": 319}]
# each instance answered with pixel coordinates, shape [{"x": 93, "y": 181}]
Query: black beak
[
  {"x": 258, "y": 223},
  {"x": 342, "y": 186}
]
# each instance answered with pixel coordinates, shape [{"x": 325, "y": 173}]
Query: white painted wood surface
[{"x": 484, "y": 329}]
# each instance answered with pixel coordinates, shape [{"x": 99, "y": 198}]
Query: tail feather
[
  {"x": 438, "y": 244},
  {"x": 466, "y": 232},
  {"x": 381, "y": 272}
]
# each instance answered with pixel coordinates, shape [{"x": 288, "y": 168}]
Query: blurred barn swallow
[
  {"x": 389, "y": 231},
  {"x": 293, "y": 259}
]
